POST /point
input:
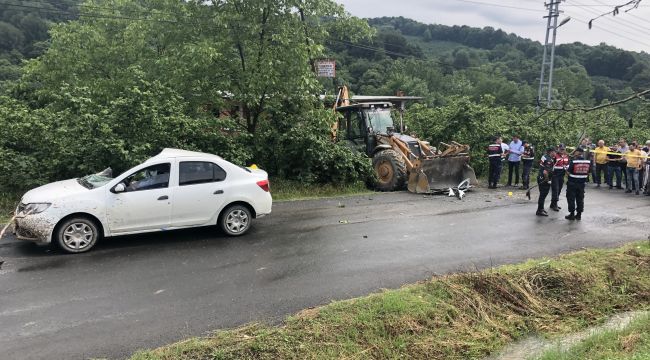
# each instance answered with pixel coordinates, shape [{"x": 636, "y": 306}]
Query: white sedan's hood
[{"x": 52, "y": 191}]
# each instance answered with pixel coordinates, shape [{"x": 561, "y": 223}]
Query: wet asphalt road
[{"x": 144, "y": 291}]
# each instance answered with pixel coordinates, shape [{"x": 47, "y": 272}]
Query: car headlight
[{"x": 33, "y": 208}]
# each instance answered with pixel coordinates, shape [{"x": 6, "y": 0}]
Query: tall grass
[
  {"x": 461, "y": 316},
  {"x": 632, "y": 342},
  {"x": 293, "y": 190}
]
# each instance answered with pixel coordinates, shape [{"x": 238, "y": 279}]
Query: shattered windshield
[
  {"x": 93, "y": 181},
  {"x": 379, "y": 119}
]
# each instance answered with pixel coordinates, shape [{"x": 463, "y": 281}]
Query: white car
[{"x": 173, "y": 190}]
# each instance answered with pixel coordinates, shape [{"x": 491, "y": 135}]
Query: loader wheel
[{"x": 390, "y": 169}]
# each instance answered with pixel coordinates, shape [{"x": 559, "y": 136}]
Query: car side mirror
[{"x": 119, "y": 188}]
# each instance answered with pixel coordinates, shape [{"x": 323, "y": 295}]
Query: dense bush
[
  {"x": 113, "y": 92},
  {"x": 298, "y": 146},
  {"x": 467, "y": 122},
  {"x": 41, "y": 145}
]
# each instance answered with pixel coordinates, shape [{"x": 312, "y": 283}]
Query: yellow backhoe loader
[{"x": 367, "y": 125}]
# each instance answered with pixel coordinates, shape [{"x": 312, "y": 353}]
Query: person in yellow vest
[
  {"x": 645, "y": 181},
  {"x": 634, "y": 161},
  {"x": 600, "y": 158}
]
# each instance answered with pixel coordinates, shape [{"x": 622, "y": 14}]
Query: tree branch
[
  {"x": 602, "y": 106},
  {"x": 632, "y": 4}
]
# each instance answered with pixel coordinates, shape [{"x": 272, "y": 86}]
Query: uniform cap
[
  {"x": 550, "y": 148},
  {"x": 561, "y": 146}
]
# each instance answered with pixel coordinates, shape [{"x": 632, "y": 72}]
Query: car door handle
[
  {"x": 164, "y": 197},
  {"x": 218, "y": 192}
]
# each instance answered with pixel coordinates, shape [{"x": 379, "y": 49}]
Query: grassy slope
[
  {"x": 631, "y": 343},
  {"x": 451, "y": 317}
]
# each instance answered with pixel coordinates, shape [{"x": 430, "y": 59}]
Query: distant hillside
[
  {"x": 24, "y": 30},
  {"x": 492, "y": 61}
]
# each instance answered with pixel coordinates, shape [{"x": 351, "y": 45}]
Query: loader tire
[{"x": 390, "y": 169}]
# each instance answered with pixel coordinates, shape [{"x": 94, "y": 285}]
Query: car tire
[
  {"x": 77, "y": 235},
  {"x": 235, "y": 220}
]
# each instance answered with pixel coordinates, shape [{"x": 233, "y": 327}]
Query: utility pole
[{"x": 548, "y": 61}]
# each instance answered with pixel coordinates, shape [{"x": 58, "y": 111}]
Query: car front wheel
[
  {"x": 77, "y": 235},
  {"x": 235, "y": 220}
]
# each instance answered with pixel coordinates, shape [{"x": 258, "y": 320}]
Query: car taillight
[{"x": 264, "y": 184}]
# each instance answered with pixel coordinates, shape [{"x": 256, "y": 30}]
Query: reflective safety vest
[
  {"x": 494, "y": 150},
  {"x": 579, "y": 170},
  {"x": 561, "y": 162}
]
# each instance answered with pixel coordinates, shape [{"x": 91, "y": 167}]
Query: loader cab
[{"x": 361, "y": 122}]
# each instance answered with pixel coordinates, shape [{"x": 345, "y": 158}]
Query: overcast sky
[{"x": 629, "y": 30}]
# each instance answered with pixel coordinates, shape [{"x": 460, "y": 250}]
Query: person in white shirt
[{"x": 516, "y": 148}]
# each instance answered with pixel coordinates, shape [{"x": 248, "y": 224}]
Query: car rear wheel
[
  {"x": 235, "y": 220},
  {"x": 77, "y": 235}
]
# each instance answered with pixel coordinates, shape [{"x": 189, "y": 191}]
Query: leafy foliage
[
  {"x": 114, "y": 91},
  {"x": 24, "y": 31},
  {"x": 236, "y": 78}
]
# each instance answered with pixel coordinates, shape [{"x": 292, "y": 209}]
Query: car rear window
[{"x": 199, "y": 172}]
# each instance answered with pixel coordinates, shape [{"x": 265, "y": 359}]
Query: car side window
[
  {"x": 152, "y": 177},
  {"x": 199, "y": 172}
]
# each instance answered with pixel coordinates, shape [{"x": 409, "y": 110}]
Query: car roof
[{"x": 177, "y": 153}]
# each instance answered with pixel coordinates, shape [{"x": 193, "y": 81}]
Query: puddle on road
[
  {"x": 610, "y": 220},
  {"x": 533, "y": 347},
  {"x": 46, "y": 265}
]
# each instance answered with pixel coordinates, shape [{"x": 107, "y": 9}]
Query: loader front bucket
[{"x": 438, "y": 174}]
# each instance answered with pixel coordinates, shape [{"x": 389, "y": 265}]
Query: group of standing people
[
  {"x": 623, "y": 163},
  {"x": 629, "y": 161},
  {"x": 517, "y": 153},
  {"x": 553, "y": 167}
]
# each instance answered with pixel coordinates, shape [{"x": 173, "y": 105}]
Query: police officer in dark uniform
[
  {"x": 559, "y": 169},
  {"x": 527, "y": 158},
  {"x": 494, "y": 153},
  {"x": 544, "y": 179},
  {"x": 578, "y": 171}
]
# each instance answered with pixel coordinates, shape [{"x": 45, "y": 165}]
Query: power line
[
  {"x": 611, "y": 32},
  {"x": 92, "y": 15},
  {"x": 500, "y": 5},
  {"x": 375, "y": 49},
  {"x": 145, "y": 12},
  {"x": 630, "y": 5},
  {"x": 599, "y": 4},
  {"x": 628, "y": 23},
  {"x": 628, "y": 13},
  {"x": 622, "y": 27}
]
